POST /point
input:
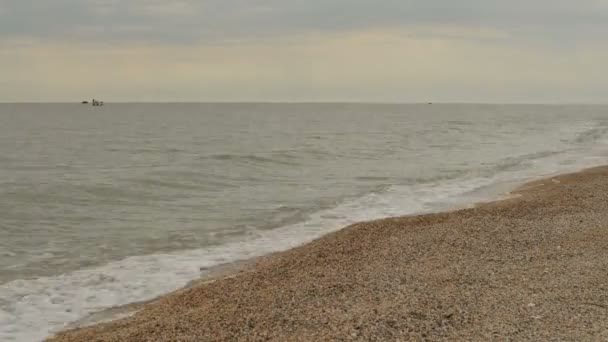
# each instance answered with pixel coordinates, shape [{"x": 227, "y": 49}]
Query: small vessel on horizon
[{"x": 96, "y": 103}]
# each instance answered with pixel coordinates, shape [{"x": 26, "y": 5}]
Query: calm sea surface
[{"x": 110, "y": 205}]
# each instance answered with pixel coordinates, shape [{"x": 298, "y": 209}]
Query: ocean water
[{"x": 100, "y": 207}]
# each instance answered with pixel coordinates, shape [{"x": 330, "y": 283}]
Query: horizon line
[{"x": 322, "y": 102}]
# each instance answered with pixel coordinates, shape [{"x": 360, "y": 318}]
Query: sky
[{"x": 534, "y": 51}]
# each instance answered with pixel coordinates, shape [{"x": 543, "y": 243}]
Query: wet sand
[{"x": 533, "y": 267}]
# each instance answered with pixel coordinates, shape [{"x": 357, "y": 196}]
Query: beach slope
[{"x": 533, "y": 267}]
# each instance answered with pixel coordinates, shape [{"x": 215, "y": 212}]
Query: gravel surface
[{"x": 530, "y": 268}]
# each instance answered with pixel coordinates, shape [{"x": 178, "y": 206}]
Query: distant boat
[
  {"x": 96, "y": 103},
  {"x": 85, "y": 102}
]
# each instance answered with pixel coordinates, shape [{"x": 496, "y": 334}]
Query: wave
[
  {"x": 511, "y": 163},
  {"x": 144, "y": 150},
  {"x": 252, "y": 158},
  {"x": 508, "y": 164},
  {"x": 592, "y": 135}
]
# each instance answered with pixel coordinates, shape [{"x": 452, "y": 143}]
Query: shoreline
[
  {"x": 311, "y": 258},
  {"x": 112, "y": 314},
  {"x": 499, "y": 192}
]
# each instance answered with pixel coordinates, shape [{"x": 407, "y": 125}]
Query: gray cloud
[{"x": 186, "y": 21}]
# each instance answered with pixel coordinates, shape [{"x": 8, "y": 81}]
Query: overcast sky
[{"x": 306, "y": 50}]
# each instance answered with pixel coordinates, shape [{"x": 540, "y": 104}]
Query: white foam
[{"x": 30, "y": 310}]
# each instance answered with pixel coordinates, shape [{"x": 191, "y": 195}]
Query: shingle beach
[{"x": 530, "y": 268}]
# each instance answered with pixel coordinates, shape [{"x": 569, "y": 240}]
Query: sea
[{"x": 105, "y": 206}]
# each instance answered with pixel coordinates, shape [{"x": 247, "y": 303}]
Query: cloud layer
[
  {"x": 187, "y": 21},
  {"x": 389, "y": 50}
]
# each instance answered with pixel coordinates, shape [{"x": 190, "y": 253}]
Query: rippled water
[{"x": 109, "y": 205}]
